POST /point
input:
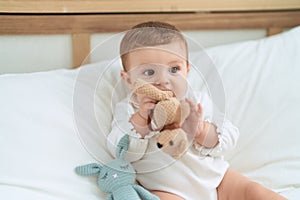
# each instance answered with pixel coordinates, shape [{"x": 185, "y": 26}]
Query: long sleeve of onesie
[
  {"x": 199, "y": 176},
  {"x": 227, "y": 133},
  {"x": 121, "y": 125}
]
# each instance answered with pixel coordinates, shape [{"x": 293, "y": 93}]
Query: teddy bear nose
[{"x": 159, "y": 145}]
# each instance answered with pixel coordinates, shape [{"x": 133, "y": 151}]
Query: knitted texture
[
  {"x": 141, "y": 87},
  {"x": 168, "y": 110},
  {"x": 117, "y": 178},
  {"x": 173, "y": 142}
]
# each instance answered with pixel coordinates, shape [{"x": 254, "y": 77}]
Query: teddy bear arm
[
  {"x": 143, "y": 87},
  {"x": 145, "y": 194},
  {"x": 109, "y": 197}
]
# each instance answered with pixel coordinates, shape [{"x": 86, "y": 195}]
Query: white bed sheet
[{"x": 44, "y": 115}]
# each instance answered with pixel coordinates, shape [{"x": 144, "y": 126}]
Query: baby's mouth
[{"x": 162, "y": 88}]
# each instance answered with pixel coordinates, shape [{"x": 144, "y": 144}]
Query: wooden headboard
[{"x": 81, "y": 18}]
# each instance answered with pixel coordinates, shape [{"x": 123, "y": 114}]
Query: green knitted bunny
[{"x": 117, "y": 177}]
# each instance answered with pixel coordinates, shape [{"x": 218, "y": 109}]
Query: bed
[{"x": 47, "y": 125}]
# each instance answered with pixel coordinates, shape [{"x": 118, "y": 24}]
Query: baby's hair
[{"x": 149, "y": 34}]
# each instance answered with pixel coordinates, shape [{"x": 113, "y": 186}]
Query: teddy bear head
[
  {"x": 114, "y": 174},
  {"x": 172, "y": 142}
]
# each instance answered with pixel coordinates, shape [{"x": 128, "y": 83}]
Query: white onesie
[{"x": 196, "y": 175}]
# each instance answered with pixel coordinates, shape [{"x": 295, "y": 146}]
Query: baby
[{"x": 157, "y": 53}]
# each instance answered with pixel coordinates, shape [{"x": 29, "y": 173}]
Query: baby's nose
[
  {"x": 159, "y": 145},
  {"x": 162, "y": 80}
]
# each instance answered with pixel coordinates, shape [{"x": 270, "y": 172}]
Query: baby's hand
[
  {"x": 193, "y": 125},
  {"x": 146, "y": 104}
]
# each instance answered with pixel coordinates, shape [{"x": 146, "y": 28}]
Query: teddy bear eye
[
  {"x": 171, "y": 143},
  {"x": 124, "y": 166},
  {"x": 105, "y": 176}
]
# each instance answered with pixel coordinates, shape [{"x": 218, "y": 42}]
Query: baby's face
[{"x": 164, "y": 66}]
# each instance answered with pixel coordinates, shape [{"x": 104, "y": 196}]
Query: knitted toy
[
  {"x": 166, "y": 112},
  {"x": 117, "y": 177}
]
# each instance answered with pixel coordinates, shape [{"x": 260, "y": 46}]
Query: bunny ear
[
  {"x": 89, "y": 169},
  {"x": 122, "y": 147}
]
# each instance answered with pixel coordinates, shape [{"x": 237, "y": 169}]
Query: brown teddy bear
[{"x": 167, "y": 116}]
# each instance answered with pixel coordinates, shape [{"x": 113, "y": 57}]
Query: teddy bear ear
[
  {"x": 158, "y": 116},
  {"x": 122, "y": 147},
  {"x": 182, "y": 147},
  {"x": 89, "y": 169},
  {"x": 185, "y": 110},
  {"x": 139, "y": 83}
]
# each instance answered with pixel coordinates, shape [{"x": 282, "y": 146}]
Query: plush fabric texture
[
  {"x": 167, "y": 111},
  {"x": 52, "y": 121},
  {"x": 117, "y": 177}
]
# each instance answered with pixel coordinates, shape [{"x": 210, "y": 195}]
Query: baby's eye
[
  {"x": 174, "y": 69},
  {"x": 149, "y": 72}
]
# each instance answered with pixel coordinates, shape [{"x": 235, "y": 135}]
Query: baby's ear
[
  {"x": 188, "y": 67},
  {"x": 89, "y": 169},
  {"x": 126, "y": 78}
]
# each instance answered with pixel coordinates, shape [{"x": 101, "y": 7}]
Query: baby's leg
[
  {"x": 166, "y": 195},
  {"x": 235, "y": 186}
]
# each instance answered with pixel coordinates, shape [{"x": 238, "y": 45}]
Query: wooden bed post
[
  {"x": 81, "y": 49},
  {"x": 273, "y": 31}
]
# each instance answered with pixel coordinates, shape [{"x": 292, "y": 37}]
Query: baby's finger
[
  {"x": 149, "y": 100},
  {"x": 200, "y": 110},
  {"x": 192, "y": 105},
  {"x": 149, "y": 105}
]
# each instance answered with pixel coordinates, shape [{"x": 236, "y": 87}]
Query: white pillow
[
  {"x": 262, "y": 87},
  {"x": 39, "y": 144},
  {"x": 51, "y": 122},
  {"x": 261, "y": 81}
]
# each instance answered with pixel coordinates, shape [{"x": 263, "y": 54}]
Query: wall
[{"x": 20, "y": 54}]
